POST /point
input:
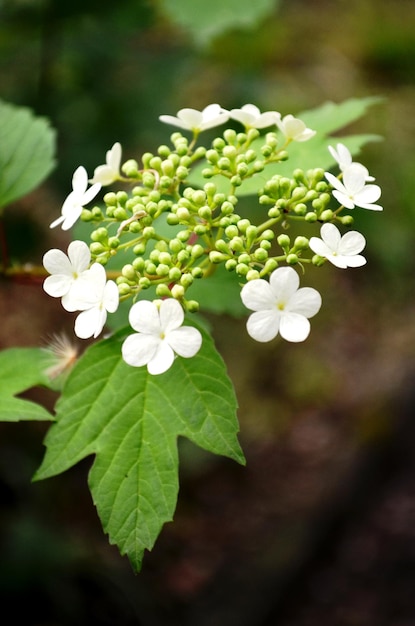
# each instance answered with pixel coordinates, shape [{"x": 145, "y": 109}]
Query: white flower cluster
[{"x": 279, "y": 305}]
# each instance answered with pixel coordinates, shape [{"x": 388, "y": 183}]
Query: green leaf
[
  {"x": 328, "y": 118},
  {"x": 27, "y": 148},
  {"x": 206, "y": 20},
  {"x": 131, "y": 421},
  {"x": 20, "y": 370}
]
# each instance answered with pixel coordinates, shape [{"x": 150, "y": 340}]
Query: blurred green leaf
[
  {"x": 20, "y": 370},
  {"x": 131, "y": 421},
  {"x": 27, "y": 151},
  {"x": 206, "y": 20}
]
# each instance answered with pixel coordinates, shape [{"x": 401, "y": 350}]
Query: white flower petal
[
  {"x": 344, "y": 199},
  {"x": 294, "y": 327},
  {"x": 56, "y": 262},
  {"x": 257, "y": 295},
  {"x": 90, "y": 323},
  {"x": 111, "y": 297},
  {"x": 355, "y": 261},
  {"x": 331, "y": 236},
  {"x": 171, "y": 315},
  {"x": 80, "y": 180},
  {"x": 162, "y": 359},
  {"x": 144, "y": 317},
  {"x": 306, "y": 301},
  {"x": 318, "y": 246},
  {"x": 138, "y": 349},
  {"x": 79, "y": 255},
  {"x": 351, "y": 243},
  {"x": 284, "y": 282},
  {"x": 57, "y": 285},
  {"x": 185, "y": 341},
  {"x": 263, "y": 325}
]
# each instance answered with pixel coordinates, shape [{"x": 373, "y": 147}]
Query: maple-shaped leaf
[
  {"x": 130, "y": 421},
  {"x": 20, "y": 370}
]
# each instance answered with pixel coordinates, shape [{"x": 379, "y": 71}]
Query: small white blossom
[
  {"x": 294, "y": 129},
  {"x": 160, "y": 335},
  {"x": 352, "y": 191},
  {"x": 110, "y": 171},
  {"x": 77, "y": 199},
  {"x": 197, "y": 121},
  {"x": 97, "y": 297},
  {"x": 251, "y": 117},
  {"x": 280, "y": 306},
  {"x": 68, "y": 272},
  {"x": 341, "y": 251},
  {"x": 342, "y": 155}
]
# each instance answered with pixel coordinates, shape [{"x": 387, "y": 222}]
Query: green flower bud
[
  {"x": 252, "y": 275},
  {"x": 200, "y": 229},
  {"x": 227, "y": 208},
  {"x": 129, "y": 272},
  {"x": 210, "y": 189},
  {"x": 150, "y": 268},
  {"x": 205, "y": 213},
  {"x": 224, "y": 163},
  {"x": 230, "y": 136},
  {"x": 311, "y": 217},
  {"x": 182, "y": 172},
  {"x": 242, "y": 269},
  {"x": 144, "y": 282},
  {"x": 186, "y": 280},
  {"x": 148, "y": 180},
  {"x": 120, "y": 214},
  {"x": 183, "y": 214},
  {"x": 236, "y": 244},
  {"x": 268, "y": 234},
  {"x": 154, "y": 256},
  {"x": 124, "y": 289},
  {"x": 236, "y": 181},
  {"x": 197, "y": 251},
  {"x": 217, "y": 257},
  {"x": 97, "y": 248},
  {"x": 155, "y": 163},
  {"x": 162, "y": 269},
  {"x": 284, "y": 241},
  {"x": 100, "y": 234},
  {"x": 130, "y": 168},
  {"x": 207, "y": 172},
  {"x": 174, "y": 274},
  {"x": 243, "y": 225},
  {"x": 138, "y": 264},
  {"x": 86, "y": 215},
  {"x": 177, "y": 291},
  {"x": 250, "y": 155},
  {"x": 244, "y": 258},
  {"x": 172, "y": 219},
  {"x": 139, "y": 248},
  {"x": 327, "y": 215},
  {"x": 318, "y": 260},
  {"x": 300, "y": 209},
  {"x": 292, "y": 259},
  {"x": 269, "y": 267},
  {"x": 265, "y": 244},
  {"x": 347, "y": 220},
  {"x": 231, "y": 264},
  {"x": 163, "y": 151},
  {"x": 162, "y": 291},
  {"x": 260, "y": 255},
  {"x": 192, "y": 306},
  {"x": 274, "y": 212},
  {"x": 218, "y": 144},
  {"x": 259, "y": 166},
  {"x": 197, "y": 272},
  {"x": 110, "y": 199},
  {"x": 149, "y": 232},
  {"x": 232, "y": 231},
  {"x": 113, "y": 242},
  {"x": 300, "y": 243}
]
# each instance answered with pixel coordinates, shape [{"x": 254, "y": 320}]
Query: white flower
[
  {"x": 68, "y": 272},
  {"x": 110, "y": 172},
  {"x": 353, "y": 191},
  {"x": 77, "y": 199},
  {"x": 280, "y": 306},
  {"x": 251, "y": 117},
  {"x": 341, "y": 251},
  {"x": 97, "y": 297},
  {"x": 197, "y": 121},
  {"x": 159, "y": 336},
  {"x": 294, "y": 129},
  {"x": 342, "y": 155}
]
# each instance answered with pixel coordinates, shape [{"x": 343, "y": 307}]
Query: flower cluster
[{"x": 194, "y": 191}]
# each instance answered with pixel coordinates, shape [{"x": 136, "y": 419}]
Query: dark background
[{"x": 319, "y": 528}]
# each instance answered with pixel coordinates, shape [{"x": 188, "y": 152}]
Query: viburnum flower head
[
  {"x": 294, "y": 129},
  {"x": 97, "y": 298},
  {"x": 341, "y": 251},
  {"x": 160, "y": 335},
  {"x": 280, "y": 306},
  {"x": 77, "y": 199},
  {"x": 197, "y": 121},
  {"x": 353, "y": 191},
  {"x": 110, "y": 171},
  {"x": 68, "y": 272},
  {"x": 342, "y": 155},
  {"x": 251, "y": 117}
]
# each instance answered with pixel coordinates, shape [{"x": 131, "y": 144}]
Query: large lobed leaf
[
  {"x": 206, "y": 20},
  {"x": 20, "y": 370},
  {"x": 27, "y": 148},
  {"x": 131, "y": 421}
]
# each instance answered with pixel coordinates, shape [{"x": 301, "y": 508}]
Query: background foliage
[{"x": 327, "y": 495}]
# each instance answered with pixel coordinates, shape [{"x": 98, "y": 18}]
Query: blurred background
[{"x": 319, "y": 528}]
